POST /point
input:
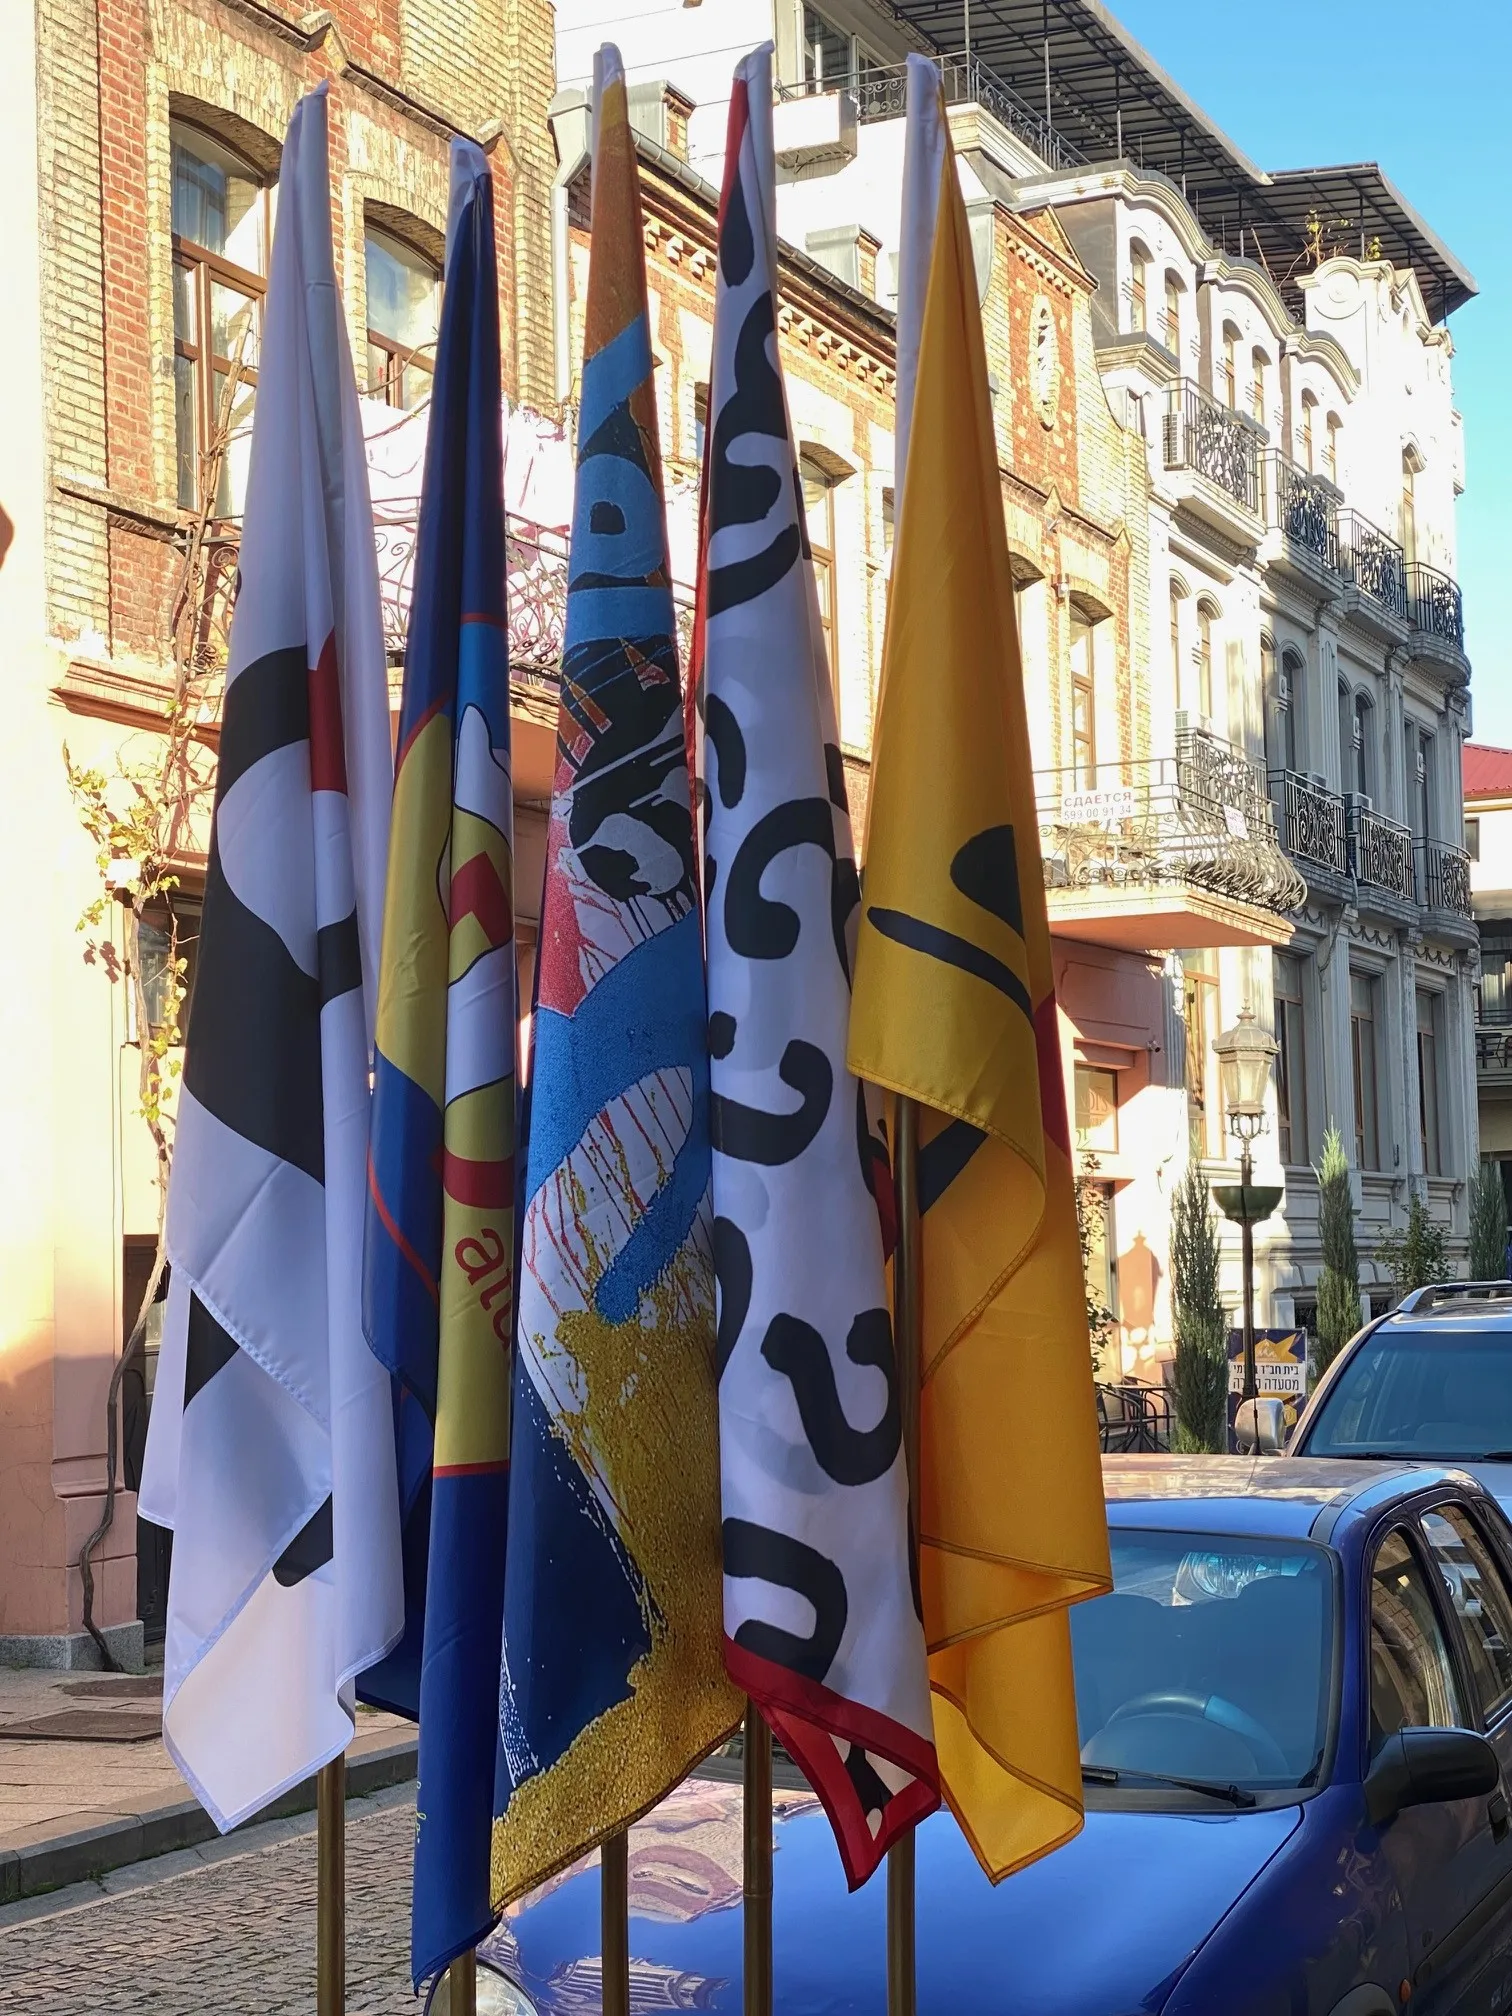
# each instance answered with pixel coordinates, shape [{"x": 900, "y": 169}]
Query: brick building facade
[{"x": 141, "y": 142}]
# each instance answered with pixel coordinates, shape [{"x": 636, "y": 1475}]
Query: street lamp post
[{"x": 1245, "y": 1054}]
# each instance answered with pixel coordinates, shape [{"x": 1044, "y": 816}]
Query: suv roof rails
[{"x": 1452, "y": 1291}]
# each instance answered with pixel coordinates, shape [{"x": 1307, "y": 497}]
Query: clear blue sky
[{"x": 1424, "y": 91}]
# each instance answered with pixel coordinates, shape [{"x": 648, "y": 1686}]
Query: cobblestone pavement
[{"x": 228, "y": 1928}]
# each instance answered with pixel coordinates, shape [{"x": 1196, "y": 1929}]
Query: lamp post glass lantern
[{"x": 1246, "y": 1054}]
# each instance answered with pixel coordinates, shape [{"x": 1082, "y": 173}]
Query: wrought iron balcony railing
[
  {"x": 1303, "y": 506},
  {"x": 1310, "y": 819},
  {"x": 881, "y": 91},
  {"x": 1213, "y": 440},
  {"x": 1493, "y": 1034},
  {"x": 1374, "y": 561},
  {"x": 1380, "y": 851},
  {"x": 1434, "y": 604},
  {"x": 1443, "y": 877},
  {"x": 1200, "y": 817}
]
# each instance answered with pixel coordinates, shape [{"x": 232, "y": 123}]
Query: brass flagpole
[
  {"x": 614, "y": 1921},
  {"x": 462, "y": 1985},
  {"x": 758, "y": 1863},
  {"x": 330, "y": 1887},
  {"x": 908, "y": 1310}
]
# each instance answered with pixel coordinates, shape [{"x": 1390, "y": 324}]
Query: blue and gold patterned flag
[
  {"x": 439, "y": 1291},
  {"x": 613, "y": 1683}
]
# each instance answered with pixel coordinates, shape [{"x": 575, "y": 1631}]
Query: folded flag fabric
[
  {"x": 822, "y": 1628},
  {"x": 613, "y": 1682},
  {"x": 271, "y": 1450},
  {"x": 954, "y": 1007},
  {"x": 439, "y": 1289}
]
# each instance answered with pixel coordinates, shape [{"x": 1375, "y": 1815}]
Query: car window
[
  {"x": 1444, "y": 1394},
  {"x": 1213, "y": 1657},
  {"x": 1479, "y": 1595},
  {"x": 1412, "y": 1683}
]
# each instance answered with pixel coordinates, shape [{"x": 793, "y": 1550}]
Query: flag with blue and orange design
[
  {"x": 613, "y": 1682},
  {"x": 439, "y": 1286}
]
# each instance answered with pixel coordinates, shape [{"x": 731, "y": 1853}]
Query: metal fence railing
[
  {"x": 1434, "y": 604},
  {"x": 1443, "y": 877},
  {"x": 1214, "y": 441},
  {"x": 1310, "y": 820},
  {"x": 1374, "y": 561}
]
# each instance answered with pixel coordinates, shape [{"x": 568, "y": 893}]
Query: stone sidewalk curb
[{"x": 64, "y": 1851}]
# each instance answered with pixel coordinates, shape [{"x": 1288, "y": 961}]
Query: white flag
[
  {"x": 271, "y": 1450},
  {"x": 822, "y": 1628}
]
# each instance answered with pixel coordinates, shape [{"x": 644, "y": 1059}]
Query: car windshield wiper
[{"x": 1105, "y": 1774}]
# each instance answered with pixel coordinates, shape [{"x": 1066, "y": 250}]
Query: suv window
[
  {"x": 1444, "y": 1394},
  {"x": 1412, "y": 1683},
  {"x": 1475, "y": 1588}
]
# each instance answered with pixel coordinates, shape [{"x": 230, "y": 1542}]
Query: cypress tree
[
  {"x": 1339, "y": 1282},
  {"x": 1201, "y": 1368},
  {"x": 1488, "y": 1225}
]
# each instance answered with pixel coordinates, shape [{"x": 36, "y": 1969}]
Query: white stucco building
[{"x": 1248, "y": 702}]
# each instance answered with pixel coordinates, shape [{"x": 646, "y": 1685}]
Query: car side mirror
[
  {"x": 1424, "y": 1767},
  {"x": 1260, "y": 1427}
]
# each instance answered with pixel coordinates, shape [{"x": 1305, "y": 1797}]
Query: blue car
[{"x": 1295, "y": 1720}]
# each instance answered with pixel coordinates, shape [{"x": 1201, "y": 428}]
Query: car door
[
  {"x": 1474, "y": 1584},
  {"x": 1417, "y": 1681}
]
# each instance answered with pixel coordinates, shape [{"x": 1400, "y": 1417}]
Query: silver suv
[{"x": 1431, "y": 1382}]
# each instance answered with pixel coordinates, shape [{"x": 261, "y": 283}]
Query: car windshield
[
  {"x": 1447, "y": 1396},
  {"x": 1212, "y": 1659}
]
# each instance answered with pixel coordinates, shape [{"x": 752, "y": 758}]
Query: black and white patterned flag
[
  {"x": 271, "y": 1450},
  {"x": 822, "y": 1628}
]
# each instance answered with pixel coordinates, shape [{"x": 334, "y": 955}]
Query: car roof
[
  {"x": 1447, "y": 1319},
  {"x": 1265, "y": 1496}
]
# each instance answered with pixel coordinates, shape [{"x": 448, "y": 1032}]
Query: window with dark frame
[
  {"x": 222, "y": 227},
  {"x": 168, "y": 929},
  {"x": 1095, "y": 1092},
  {"x": 1292, "y": 1131},
  {"x": 1363, "y": 993},
  {"x": 1472, "y": 838},
  {"x": 403, "y": 319}
]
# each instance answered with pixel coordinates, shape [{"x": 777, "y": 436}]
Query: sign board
[
  {"x": 1236, "y": 822},
  {"x": 1097, "y": 808},
  {"x": 1280, "y": 1371}
]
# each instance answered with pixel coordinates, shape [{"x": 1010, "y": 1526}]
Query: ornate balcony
[
  {"x": 1310, "y": 820},
  {"x": 1443, "y": 878},
  {"x": 1221, "y": 449},
  {"x": 1175, "y": 850},
  {"x": 1380, "y": 852},
  {"x": 1434, "y": 605},
  {"x": 1375, "y": 563},
  {"x": 1493, "y": 1041},
  {"x": 1302, "y": 506},
  {"x": 880, "y": 92}
]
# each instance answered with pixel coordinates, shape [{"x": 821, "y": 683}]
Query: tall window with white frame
[
  {"x": 1207, "y": 616},
  {"x": 1170, "y": 333},
  {"x": 1259, "y": 368},
  {"x": 1307, "y": 433},
  {"x": 1275, "y": 686},
  {"x": 1178, "y": 674},
  {"x": 1364, "y": 997},
  {"x": 819, "y": 512},
  {"x": 1430, "y": 1131},
  {"x": 1420, "y": 759},
  {"x": 1407, "y": 517},
  {"x": 1362, "y": 745},
  {"x": 1139, "y": 288},
  {"x": 404, "y": 318},
  {"x": 1331, "y": 431},
  {"x": 1083, "y": 701},
  {"x": 1230, "y": 370},
  {"x": 1294, "y": 1138},
  {"x": 1200, "y": 1003},
  {"x": 222, "y": 227}
]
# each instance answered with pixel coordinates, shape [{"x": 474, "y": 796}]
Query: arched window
[
  {"x": 1331, "y": 429},
  {"x": 1083, "y": 700},
  {"x": 1178, "y": 596},
  {"x": 1259, "y": 385},
  {"x": 1170, "y": 333},
  {"x": 1230, "y": 375},
  {"x": 1407, "y": 534},
  {"x": 1281, "y": 686},
  {"x": 403, "y": 319},
  {"x": 1207, "y": 616},
  {"x": 1139, "y": 279},
  {"x": 1306, "y": 448},
  {"x": 1360, "y": 761},
  {"x": 222, "y": 227}
]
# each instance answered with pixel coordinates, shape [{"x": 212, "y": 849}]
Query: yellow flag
[{"x": 954, "y": 1007}]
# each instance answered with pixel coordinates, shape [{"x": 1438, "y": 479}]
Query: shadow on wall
[{"x": 1138, "y": 1281}]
